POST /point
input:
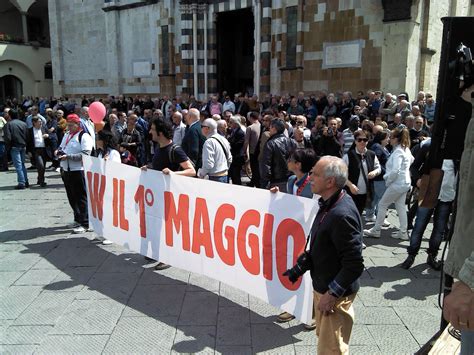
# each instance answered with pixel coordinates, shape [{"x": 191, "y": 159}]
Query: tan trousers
[{"x": 334, "y": 331}]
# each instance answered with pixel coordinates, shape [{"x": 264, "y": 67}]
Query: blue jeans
[
  {"x": 440, "y": 221},
  {"x": 467, "y": 342},
  {"x": 379, "y": 189},
  {"x": 18, "y": 157},
  {"x": 224, "y": 179}
]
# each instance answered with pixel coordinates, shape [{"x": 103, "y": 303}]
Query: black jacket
[
  {"x": 236, "y": 141},
  {"x": 15, "y": 133},
  {"x": 336, "y": 246},
  {"x": 192, "y": 143},
  {"x": 274, "y": 166}
]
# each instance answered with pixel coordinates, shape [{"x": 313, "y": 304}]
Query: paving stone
[
  {"x": 234, "y": 350},
  {"x": 58, "y": 258},
  {"x": 303, "y": 337},
  {"x": 306, "y": 349},
  {"x": 72, "y": 279},
  {"x": 155, "y": 301},
  {"x": 16, "y": 299},
  {"x": 92, "y": 256},
  {"x": 109, "y": 285},
  {"x": 89, "y": 317},
  {"x": 17, "y": 349},
  {"x": 171, "y": 276},
  {"x": 268, "y": 337},
  {"x": 365, "y": 350},
  {"x": 18, "y": 262},
  {"x": 361, "y": 336},
  {"x": 73, "y": 344},
  {"x": 199, "y": 308},
  {"x": 261, "y": 312},
  {"x": 46, "y": 308},
  {"x": 232, "y": 297},
  {"x": 375, "y": 315},
  {"x": 233, "y": 326},
  {"x": 123, "y": 263},
  {"x": 388, "y": 339},
  {"x": 195, "y": 339},
  {"x": 138, "y": 335},
  {"x": 7, "y": 278},
  {"x": 422, "y": 322},
  {"x": 37, "y": 277},
  {"x": 199, "y": 283},
  {"x": 25, "y": 334}
]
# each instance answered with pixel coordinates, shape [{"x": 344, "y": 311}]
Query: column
[
  {"x": 25, "y": 27},
  {"x": 257, "y": 17},
  {"x": 112, "y": 19}
]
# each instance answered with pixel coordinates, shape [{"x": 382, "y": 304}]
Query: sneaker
[
  {"x": 372, "y": 233},
  {"x": 58, "y": 170},
  {"x": 402, "y": 235},
  {"x": 370, "y": 219},
  {"x": 20, "y": 187},
  {"x": 43, "y": 184},
  {"x": 79, "y": 230},
  {"x": 433, "y": 262},
  {"x": 73, "y": 225},
  {"x": 107, "y": 242},
  {"x": 90, "y": 229},
  {"x": 364, "y": 246},
  {"x": 285, "y": 317},
  {"x": 162, "y": 266},
  {"x": 408, "y": 262},
  {"x": 386, "y": 223},
  {"x": 27, "y": 184}
]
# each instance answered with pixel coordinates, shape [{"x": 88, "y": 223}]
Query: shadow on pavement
[{"x": 202, "y": 318}]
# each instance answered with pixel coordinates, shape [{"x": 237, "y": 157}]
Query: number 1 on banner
[{"x": 142, "y": 196}]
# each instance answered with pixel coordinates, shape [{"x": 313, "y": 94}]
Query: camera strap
[{"x": 321, "y": 220}]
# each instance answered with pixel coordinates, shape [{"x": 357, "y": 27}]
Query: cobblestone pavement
[{"x": 63, "y": 293}]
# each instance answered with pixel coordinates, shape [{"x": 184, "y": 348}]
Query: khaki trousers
[{"x": 334, "y": 331}]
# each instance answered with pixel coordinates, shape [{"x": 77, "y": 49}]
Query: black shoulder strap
[
  {"x": 171, "y": 153},
  {"x": 222, "y": 145},
  {"x": 81, "y": 133}
]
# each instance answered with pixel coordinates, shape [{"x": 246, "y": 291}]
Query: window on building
[
  {"x": 165, "y": 58},
  {"x": 48, "y": 71},
  {"x": 291, "y": 26}
]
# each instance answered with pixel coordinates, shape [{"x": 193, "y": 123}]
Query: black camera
[
  {"x": 60, "y": 152},
  {"x": 463, "y": 65},
  {"x": 303, "y": 264}
]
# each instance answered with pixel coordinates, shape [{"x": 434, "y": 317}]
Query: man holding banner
[{"x": 334, "y": 257}]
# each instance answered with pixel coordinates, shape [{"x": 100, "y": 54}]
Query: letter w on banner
[{"x": 242, "y": 236}]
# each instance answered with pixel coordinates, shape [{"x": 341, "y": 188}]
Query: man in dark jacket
[
  {"x": 15, "y": 134},
  {"x": 38, "y": 139},
  {"x": 330, "y": 142},
  {"x": 193, "y": 139},
  {"x": 274, "y": 169},
  {"x": 334, "y": 256}
]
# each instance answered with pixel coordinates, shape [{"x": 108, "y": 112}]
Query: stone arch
[
  {"x": 10, "y": 87},
  {"x": 22, "y": 72}
]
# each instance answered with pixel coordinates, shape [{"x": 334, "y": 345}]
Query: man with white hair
[
  {"x": 222, "y": 128},
  {"x": 387, "y": 108},
  {"x": 87, "y": 125},
  {"x": 179, "y": 128},
  {"x": 216, "y": 155}
]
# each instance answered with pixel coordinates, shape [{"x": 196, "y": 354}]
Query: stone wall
[{"x": 97, "y": 45}]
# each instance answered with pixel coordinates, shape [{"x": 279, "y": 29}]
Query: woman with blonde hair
[{"x": 398, "y": 181}]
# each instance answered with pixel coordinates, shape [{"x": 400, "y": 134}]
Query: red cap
[{"x": 73, "y": 118}]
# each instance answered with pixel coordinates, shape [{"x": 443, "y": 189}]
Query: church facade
[{"x": 171, "y": 47}]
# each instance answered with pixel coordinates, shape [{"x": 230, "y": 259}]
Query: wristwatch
[{"x": 332, "y": 293}]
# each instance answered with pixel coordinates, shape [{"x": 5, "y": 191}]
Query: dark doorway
[
  {"x": 235, "y": 51},
  {"x": 10, "y": 87}
]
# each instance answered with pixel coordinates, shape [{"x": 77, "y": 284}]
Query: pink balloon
[{"x": 97, "y": 111}]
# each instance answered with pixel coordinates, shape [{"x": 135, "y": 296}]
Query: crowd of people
[{"x": 380, "y": 141}]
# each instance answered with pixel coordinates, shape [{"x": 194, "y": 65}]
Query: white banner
[{"x": 242, "y": 236}]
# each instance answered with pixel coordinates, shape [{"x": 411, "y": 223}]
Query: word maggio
[{"x": 251, "y": 236}]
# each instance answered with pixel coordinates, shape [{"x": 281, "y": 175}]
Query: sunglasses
[
  {"x": 202, "y": 126},
  {"x": 362, "y": 140}
]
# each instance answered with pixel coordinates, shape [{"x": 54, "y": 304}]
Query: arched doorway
[{"x": 10, "y": 87}]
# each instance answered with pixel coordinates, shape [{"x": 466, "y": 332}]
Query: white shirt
[
  {"x": 38, "y": 138},
  {"x": 73, "y": 146},
  {"x": 448, "y": 186},
  {"x": 361, "y": 182},
  {"x": 113, "y": 155},
  {"x": 397, "y": 170},
  {"x": 178, "y": 133}
]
